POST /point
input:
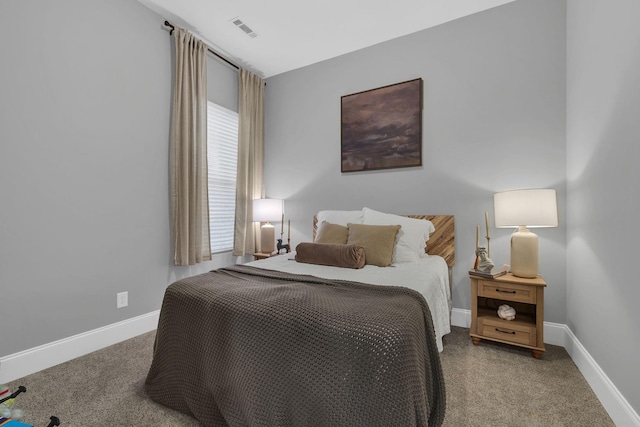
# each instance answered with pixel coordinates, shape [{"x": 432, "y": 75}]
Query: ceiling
[{"x": 294, "y": 33}]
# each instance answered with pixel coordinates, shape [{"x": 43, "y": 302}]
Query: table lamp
[
  {"x": 266, "y": 211},
  {"x": 525, "y": 208}
]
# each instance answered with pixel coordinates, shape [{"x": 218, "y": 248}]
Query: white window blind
[{"x": 222, "y": 156}]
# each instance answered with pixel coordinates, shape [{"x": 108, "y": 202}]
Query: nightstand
[
  {"x": 260, "y": 255},
  {"x": 526, "y": 296}
]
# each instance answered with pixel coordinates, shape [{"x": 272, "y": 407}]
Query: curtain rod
[{"x": 168, "y": 24}]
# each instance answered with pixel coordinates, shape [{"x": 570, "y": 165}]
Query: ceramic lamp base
[
  {"x": 524, "y": 253},
  {"x": 267, "y": 238}
]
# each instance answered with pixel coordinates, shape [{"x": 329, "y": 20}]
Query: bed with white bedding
[
  {"x": 279, "y": 342},
  {"x": 428, "y": 275}
]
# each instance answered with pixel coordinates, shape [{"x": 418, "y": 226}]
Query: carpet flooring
[{"x": 487, "y": 385}]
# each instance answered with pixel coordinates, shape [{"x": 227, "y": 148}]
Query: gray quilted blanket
[{"x": 243, "y": 346}]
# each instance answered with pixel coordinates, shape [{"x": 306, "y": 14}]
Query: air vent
[{"x": 244, "y": 27}]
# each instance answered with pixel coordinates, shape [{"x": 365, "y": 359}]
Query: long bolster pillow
[{"x": 346, "y": 256}]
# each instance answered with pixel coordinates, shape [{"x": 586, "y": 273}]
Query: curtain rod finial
[{"x": 168, "y": 24}]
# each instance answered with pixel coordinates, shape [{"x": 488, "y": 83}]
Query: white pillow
[
  {"x": 412, "y": 237},
  {"x": 340, "y": 217}
]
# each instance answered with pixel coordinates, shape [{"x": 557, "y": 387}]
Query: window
[{"x": 222, "y": 156}]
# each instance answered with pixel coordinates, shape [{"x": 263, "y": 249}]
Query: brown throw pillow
[
  {"x": 378, "y": 242},
  {"x": 346, "y": 256},
  {"x": 331, "y": 233}
]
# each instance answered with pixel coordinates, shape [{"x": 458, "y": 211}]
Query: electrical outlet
[{"x": 122, "y": 299}]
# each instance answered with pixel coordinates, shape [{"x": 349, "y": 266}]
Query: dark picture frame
[{"x": 382, "y": 128}]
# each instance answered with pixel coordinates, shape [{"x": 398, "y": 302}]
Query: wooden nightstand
[
  {"x": 526, "y": 296},
  {"x": 260, "y": 255}
]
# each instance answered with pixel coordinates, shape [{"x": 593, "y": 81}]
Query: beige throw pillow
[
  {"x": 331, "y": 233},
  {"x": 378, "y": 242}
]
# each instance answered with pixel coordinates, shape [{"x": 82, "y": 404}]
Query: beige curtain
[
  {"x": 249, "y": 179},
  {"x": 188, "y": 154}
]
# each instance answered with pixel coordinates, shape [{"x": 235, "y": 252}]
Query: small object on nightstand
[
  {"x": 506, "y": 312},
  {"x": 485, "y": 265},
  {"x": 488, "y": 275},
  {"x": 281, "y": 246},
  {"x": 483, "y": 262}
]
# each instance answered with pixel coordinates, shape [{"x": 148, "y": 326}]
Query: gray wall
[
  {"x": 603, "y": 149},
  {"x": 85, "y": 90},
  {"x": 494, "y": 119},
  {"x": 222, "y": 83}
]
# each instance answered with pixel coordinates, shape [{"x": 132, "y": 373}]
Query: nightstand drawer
[
  {"x": 507, "y": 291},
  {"x": 507, "y": 331}
]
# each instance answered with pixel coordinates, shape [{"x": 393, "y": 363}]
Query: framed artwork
[{"x": 382, "y": 128}]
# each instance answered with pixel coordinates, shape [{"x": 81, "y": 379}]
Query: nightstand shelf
[
  {"x": 526, "y": 296},
  {"x": 521, "y": 319}
]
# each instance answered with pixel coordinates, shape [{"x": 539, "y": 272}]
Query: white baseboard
[
  {"x": 613, "y": 401},
  {"x": 559, "y": 334},
  {"x": 27, "y": 362},
  {"x": 461, "y": 318}
]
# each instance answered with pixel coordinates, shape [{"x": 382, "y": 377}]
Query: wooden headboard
[{"x": 441, "y": 242}]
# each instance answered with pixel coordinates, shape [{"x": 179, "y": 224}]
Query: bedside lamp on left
[{"x": 267, "y": 211}]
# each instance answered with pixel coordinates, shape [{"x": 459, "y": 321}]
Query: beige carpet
[{"x": 488, "y": 385}]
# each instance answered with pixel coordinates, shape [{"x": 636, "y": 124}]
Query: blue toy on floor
[
  {"x": 6, "y": 401},
  {"x": 6, "y": 422}
]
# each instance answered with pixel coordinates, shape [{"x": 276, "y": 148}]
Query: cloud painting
[{"x": 382, "y": 128}]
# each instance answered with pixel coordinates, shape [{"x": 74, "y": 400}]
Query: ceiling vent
[{"x": 238, "y": 23}]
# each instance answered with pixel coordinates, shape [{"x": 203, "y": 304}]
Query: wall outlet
[{"x": 122, "y": 299}]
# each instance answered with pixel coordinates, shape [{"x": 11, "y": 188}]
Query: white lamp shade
[
  {"x": 267, "y": 210},
  {"x": 531, "y": 208},
  {"x": 522, "y": 209}
]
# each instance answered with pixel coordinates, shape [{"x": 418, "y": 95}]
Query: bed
[{"x": 281, "y": 343}]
